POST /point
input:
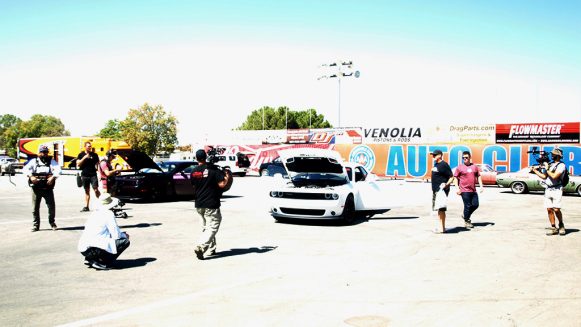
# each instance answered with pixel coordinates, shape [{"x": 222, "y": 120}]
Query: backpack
[{"x": 565, "y": 177}]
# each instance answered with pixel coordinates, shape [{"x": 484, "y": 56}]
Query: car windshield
[{"x": 166, "y": 166}]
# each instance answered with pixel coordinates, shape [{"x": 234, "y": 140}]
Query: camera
[
  {"x": 540, "y": 156},
  {"x": 213, "y": 152}
]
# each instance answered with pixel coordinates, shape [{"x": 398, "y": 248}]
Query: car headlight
[
  {"x": 331, "y": 196},
  {"x": 276, "y": 194}
]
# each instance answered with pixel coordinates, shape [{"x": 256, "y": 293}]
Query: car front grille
[
  {"x": 304, "y": 196},
  {"x": 306, "y": 212}
]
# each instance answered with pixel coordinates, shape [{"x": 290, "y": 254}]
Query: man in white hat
[
  {"x": 552, "y": 174},
  {"x": 102, "y": 240}
]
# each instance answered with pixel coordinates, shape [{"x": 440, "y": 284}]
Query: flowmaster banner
[{"x": 538, "y": 133}]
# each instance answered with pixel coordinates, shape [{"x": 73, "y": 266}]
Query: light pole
[{"x": 339, "y": 75}]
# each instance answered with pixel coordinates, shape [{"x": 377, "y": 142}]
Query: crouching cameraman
[
  {"x": 552, "y": 174},
  {"x": 102, "y": 240}
]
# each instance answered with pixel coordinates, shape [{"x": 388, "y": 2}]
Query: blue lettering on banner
[
  {"x": 492, "y": 154},
  {"x": 417, "y": 160},
  {"x": 515, "y": 158},
  {"x": 395, "y": 161}
]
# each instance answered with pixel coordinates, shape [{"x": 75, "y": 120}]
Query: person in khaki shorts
[{"x": 552, "y": 174}]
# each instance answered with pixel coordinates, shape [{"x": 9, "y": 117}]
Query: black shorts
[{"x": 90, "y": 181}]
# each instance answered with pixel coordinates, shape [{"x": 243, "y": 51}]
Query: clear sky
[{"x": 210, "y": 63}]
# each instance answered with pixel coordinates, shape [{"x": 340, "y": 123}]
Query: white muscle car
[{"x": 321, "y": 186}]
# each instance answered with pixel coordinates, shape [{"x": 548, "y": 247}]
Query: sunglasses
[{"x": 465, "y": 157}]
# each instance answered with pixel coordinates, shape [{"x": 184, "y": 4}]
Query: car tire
[
  {"x": 264, "y": 172},
  {"x": 349, "y": 210},
  {"x": 579, "y": 190},
  {"x": 518, "y": 187}
]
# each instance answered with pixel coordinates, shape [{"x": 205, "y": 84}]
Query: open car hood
[
  {"x": 137, "y": 160},
  {"x": 300, "y": 163}
]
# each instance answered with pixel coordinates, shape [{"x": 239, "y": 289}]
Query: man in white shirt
[
  {"x": 102, "y": 241},
  {"x": 42, "y": 173}
]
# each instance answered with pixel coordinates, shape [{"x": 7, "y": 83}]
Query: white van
[{"x": 238, "y": 163}]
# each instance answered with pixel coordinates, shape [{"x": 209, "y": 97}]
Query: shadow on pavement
[
  {"x": 393, "y": 218},
  {"x": 132, "y": 263},
  {"x": 483, "y": 224},
  {"x": 321, "y": 222},
  {"x": 571, "y": 230},
  {"x": 233, "y": 252},
  {"x": 142, "y": 225},
  {"x": 456, "y": 230}
]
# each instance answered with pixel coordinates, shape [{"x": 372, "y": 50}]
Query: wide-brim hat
[
  {"x": 557, "y": 152},
  {"x": 107, "y": 201}
]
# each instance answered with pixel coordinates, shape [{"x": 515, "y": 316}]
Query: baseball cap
[
  {"x": 43, "y": 148},
  {"x": 436, "y": 152},
  {"x": 201, "y": 154},
  {"x": 557, "y": 152}
]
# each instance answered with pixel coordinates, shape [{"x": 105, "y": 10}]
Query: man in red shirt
[{"x": 466, "y": 176}]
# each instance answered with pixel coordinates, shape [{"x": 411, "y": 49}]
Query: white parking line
[{"x": 159, "y": 304}]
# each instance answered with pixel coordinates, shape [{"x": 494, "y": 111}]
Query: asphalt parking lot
[{"x": 391, "y": 270}]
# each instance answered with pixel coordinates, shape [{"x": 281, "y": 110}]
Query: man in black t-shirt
[
  {"x": 208, "y": 182},
  {"x": 442, "y": 177},
  {"x": 87, "y": 161}
]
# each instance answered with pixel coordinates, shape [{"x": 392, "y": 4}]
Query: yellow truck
[{"x": 65, "y": 149}]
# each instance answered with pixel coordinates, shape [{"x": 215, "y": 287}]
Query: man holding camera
[
  {"x": 87, "y": 161},
  {"x": 42, "y": 173},
  {"x": 552, "y": 174},
  {"x": 208, "y": 182},
  {"x": 107, "y": 173}
]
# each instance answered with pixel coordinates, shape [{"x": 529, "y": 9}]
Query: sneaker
[
  {"x": 34, "y": 229},
  {"x": 468, "y": 225},
  {"x": 552, "y": 231},
  {"x": 562, "y": 230},
  {"x": 99, "y": 266},
  {"x": 85, "y": 209},
  {"x": 212, "y": 252},
  {"x": 199, "y": 252},
  {"x": 53, "y": 226}
]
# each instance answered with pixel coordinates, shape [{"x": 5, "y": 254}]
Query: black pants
[
  {"x": 37, "y": 196},
  {"x": 102, "y": 256},
  {"x": 470, "y": 200}
]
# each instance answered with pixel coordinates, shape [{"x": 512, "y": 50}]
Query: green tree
[
  {"x": 269, "y": 118},
  {"x": 150, "y": 129},
  {"x": 42, "y": 126},
  {"x": 9, "y": 133},
  {"x": 111, "y": 130}
]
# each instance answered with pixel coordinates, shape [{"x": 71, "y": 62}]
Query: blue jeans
[{"x": 470, "y": 200}]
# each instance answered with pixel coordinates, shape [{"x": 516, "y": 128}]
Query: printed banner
[
  {"x": 415, "y": 161},
  {"x": 538, "y": 133}
]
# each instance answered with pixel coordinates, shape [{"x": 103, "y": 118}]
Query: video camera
[
  {"x": 540, "y": 156},
  {"x": 213, "y": 152}
]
